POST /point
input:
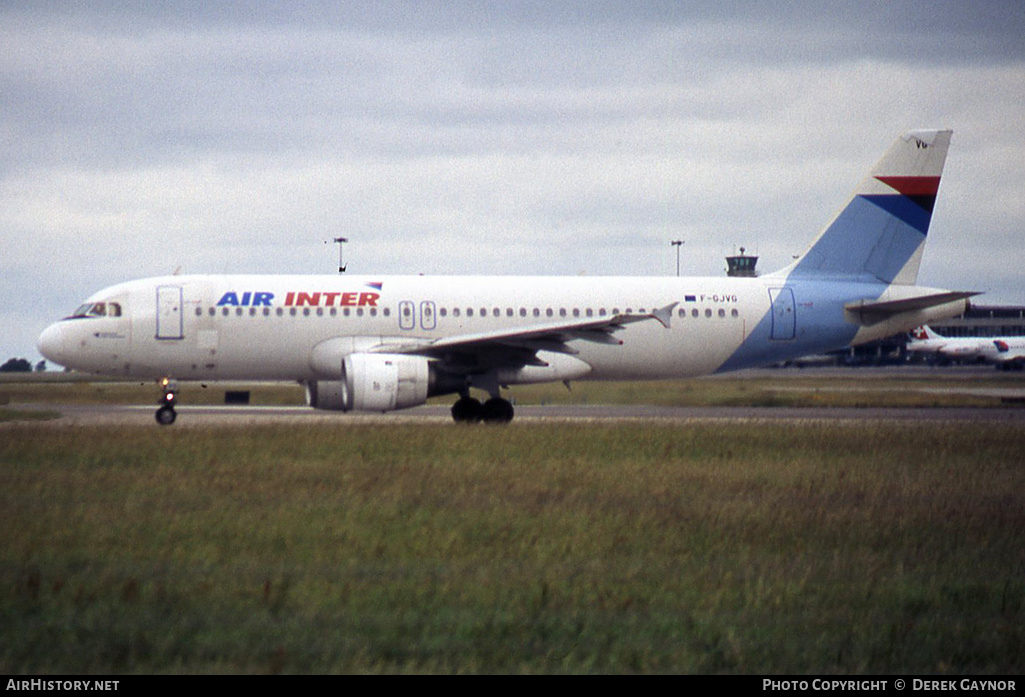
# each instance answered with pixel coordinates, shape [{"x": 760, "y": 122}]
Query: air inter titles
[{"x": 299, "y": 298}]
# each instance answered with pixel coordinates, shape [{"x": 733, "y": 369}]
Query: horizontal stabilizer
[{"x": 869, "y": 312}]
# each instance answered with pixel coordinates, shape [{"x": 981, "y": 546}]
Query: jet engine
[{"x": 374, "y": 382}]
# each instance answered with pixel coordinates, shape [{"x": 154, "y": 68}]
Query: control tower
[{"x": 742, "y": 265}]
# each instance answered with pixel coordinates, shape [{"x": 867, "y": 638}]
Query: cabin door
[
  {"x": 784, "y": 319},
  {"x": 169, "y": 312}
]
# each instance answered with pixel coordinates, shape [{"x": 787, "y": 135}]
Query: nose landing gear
[{"x": 166, "y": 414}]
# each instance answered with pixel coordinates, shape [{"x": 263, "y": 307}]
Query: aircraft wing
[{"x": 519, "y": 347}]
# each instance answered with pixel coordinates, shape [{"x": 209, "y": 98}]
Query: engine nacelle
[
  {"x": 374, "y": 382},
  {"x": 326, "y": 394}
]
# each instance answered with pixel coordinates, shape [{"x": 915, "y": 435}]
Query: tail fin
[
  {"x": 924, "y": 332},
  {"x": 881, "y": 231}
]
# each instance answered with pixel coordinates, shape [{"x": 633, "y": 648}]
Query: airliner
[
  {"x": 382, "y": 343},
  {"x": 1007, "y": 352}
]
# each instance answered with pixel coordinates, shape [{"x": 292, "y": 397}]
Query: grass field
[{"x": 848, "y": 547}]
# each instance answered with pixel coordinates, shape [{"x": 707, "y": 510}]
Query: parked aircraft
[
  {"x": 923, "y": 340},
  {"x": 1007, "y": 352},
  {"x": 379, "y": 343}
]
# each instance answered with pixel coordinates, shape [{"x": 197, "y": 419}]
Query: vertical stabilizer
[
  {"x": 881, "y": 231},
  {"x": 924, "y": 333}
]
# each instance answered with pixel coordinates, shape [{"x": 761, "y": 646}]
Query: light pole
[
  {"x": 677, "y": 244},
  {"x": 340, "y": 241}
]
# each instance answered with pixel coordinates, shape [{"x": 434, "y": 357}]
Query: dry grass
[{"x": 847, "y": 548}]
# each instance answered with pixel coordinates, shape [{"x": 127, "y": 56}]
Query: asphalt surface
[
  {"x": 1010, "y": 387},
  {"x": 211, "y": 416}
]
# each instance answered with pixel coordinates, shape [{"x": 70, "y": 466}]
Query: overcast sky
[{"x": 486, "y": 138}]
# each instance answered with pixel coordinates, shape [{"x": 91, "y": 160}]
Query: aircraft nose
[{"x": 51, "y": 343}]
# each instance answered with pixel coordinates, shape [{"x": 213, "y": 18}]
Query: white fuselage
[
  {"x": 993, "y": 349},
  {"x": 269, "y": 327}
]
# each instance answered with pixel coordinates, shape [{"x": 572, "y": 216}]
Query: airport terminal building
[
  {"x": 986, "y": 320},
  {"x": 980, "y": 320}
]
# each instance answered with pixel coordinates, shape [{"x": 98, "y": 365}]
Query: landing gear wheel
[
  {"x": 497, "y": 411},
  {"x": 166, "y": 415},
  {"x": 467, "y": 410}
]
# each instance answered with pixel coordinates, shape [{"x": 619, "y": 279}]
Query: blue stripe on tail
[{"x": 874, "y": 236}]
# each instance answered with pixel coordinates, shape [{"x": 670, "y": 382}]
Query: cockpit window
[{"x": 102, "y": 309}]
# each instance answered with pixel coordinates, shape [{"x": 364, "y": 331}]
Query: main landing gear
[
  {"x": 166, "y": 414},
  {"x": 494, "y": 411}
]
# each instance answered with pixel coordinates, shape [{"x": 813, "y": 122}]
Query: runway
[
  {"x": 1007, "y": 390},
  {"x": 227, "y": 416}
]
